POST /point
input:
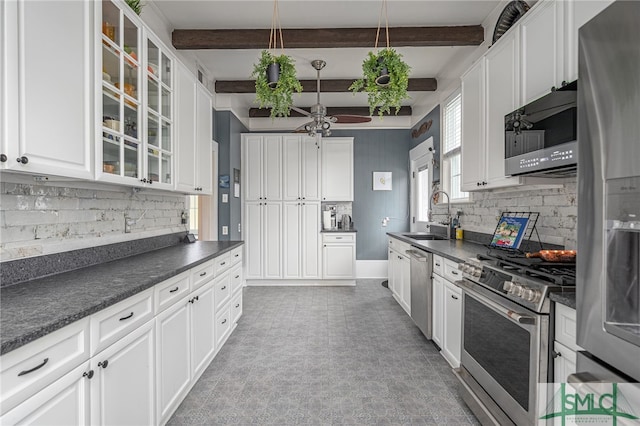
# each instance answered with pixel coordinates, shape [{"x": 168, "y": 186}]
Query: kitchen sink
[{"x": 423, "y": 236}]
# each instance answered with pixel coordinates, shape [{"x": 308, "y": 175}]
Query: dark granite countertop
[
  {"x": 567, "y": 298},
  {"x": 32, "y": 309},
  {"x": 456, "y": 250},
  {"x": 331, "y": 231}
]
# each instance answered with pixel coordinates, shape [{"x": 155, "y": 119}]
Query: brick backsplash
[
  {"x": 38, "y": 219},
  {"x": 558, "y": 208}
]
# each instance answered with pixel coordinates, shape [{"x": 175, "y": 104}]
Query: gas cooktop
[{"x": 562, "y": 274}]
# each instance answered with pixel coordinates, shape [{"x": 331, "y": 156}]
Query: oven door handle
[{"x": 511, "y": 314}]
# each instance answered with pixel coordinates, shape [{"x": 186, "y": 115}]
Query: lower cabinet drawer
[
  {"x": 221, "y": 264},
  {"x": 202, "y": 274},
  {"x": 115, "y": 322},
  {"x": 236, "y": 278},
  {"x": 28, "y": 369},
  {"x": 236, "y": 308},
  {"x": 236, "y": 255},
  {"x": 222, "y": 288},
  {"x": 223, "y": 324},
  {"x": 451, "y": 271},
  {"x": 170, "y": 291},
  {"x": 438, "y": 265}
]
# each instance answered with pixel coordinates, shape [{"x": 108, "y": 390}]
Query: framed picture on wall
[{"x": 382, "y": 181}]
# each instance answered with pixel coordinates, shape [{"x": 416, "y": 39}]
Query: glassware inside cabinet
[
  {"x": 153, "y": 164},
  {"x": 166, "y": 135},
  {"x": 165, "y": 168},
  {"x": 110, "y": 23},
  {"x": 110, "y": 153},
  {"x": 153, "y": 95},
  {"x": 131, "y": 154},
  {"x": 152, "y": 130}
]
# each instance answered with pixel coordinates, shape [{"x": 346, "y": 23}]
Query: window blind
[{"x": 452, "y": 123}]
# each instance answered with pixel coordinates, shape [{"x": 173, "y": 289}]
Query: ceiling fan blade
[
  {"x": 351, "y": 119},
  {"x": 301, "y": 111}
]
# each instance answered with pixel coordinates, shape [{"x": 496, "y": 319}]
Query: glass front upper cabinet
[
  {"x": 121, "y": 100},
  {"x": 159, "y": 115}
]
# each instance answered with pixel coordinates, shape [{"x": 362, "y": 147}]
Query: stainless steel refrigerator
[{"x": 608, "y": 270}]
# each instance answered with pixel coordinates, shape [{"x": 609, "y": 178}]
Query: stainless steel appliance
[
  {"x": 505, "y": 336},
  {"x": 608, "y": 297},
  {"x": 540, "y": 138},
  {"x": 421, "y": 289}
]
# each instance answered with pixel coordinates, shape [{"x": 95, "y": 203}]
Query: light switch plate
[
  {"x": 225, "y": 230},
  {"x": 225, "y": 198}
]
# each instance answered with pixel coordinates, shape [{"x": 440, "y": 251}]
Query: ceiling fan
[{"x": 321, "y": 122}]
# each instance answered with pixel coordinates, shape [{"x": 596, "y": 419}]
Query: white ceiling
[{"x": 341, "y": 63}]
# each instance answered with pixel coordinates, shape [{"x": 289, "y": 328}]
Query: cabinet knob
[
  {"x": 143, "y": 180},
  {"x": 564, "y": 83},
  {"x": 484, "y": 183},
  {"x": 478, "y": 183},
  {"x": 3, "y": 158},
  {"x": 23, "y": 160},
  {"x": 88, "y": 374},
  {"x": 103, "y": 364},
  {"x": 555, "y": 354}
]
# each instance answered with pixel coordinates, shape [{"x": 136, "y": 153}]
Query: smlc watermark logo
[{"x": 590, "y": 403}]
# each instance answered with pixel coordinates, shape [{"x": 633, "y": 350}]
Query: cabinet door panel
[
  {"x": 291, "y": 238},
  {"x": 310, "y": 240},
  {"x": 438, "y": 310},
  {"x": 291, "y": 167},
  {"x": 338, "y": 261},
  {"x": 272, "y": 157},
  {"x": 204, "y": 137},
  {"x": 405, "y": 280},
  {"x": 452, "y": 324},
  {"x": 337, "y": 169},
  {"x": 272, "y": 248},
  {"x": 253, "y": 239},
  {"x": 202, "y": 330},
  {"x": 473, "y": 139},
  {"x": 253, "y": 167},
  {"x": 310, "y": 169},
  {"x": 186, "y": 130},
  {"x": 122, "y": 393},
  {"x": 57, "y": 141}
]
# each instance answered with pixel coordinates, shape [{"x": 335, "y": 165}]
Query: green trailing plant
[
  {"x": 279, "y": 98},
  {"x": 391, "y": 95},
  {"x": 135, "y": 5}
]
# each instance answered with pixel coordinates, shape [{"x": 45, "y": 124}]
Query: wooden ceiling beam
[
  {"x": 326, "y": 86},
  {"x": 311, "y": 38},
  {"x": 364, "y": 111}
]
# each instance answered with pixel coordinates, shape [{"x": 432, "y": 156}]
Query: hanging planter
[
  {"x": 385, "y": 76},
  {"x": 275, "y": 75}
]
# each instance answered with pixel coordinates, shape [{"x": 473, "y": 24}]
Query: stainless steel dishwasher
[{"x": 421, "y": 289}]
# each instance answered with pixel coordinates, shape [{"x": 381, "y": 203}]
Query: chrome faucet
[{"x": 448, "y": 220}]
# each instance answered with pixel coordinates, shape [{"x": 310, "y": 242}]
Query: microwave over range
[{"x": 541, "y": 137}]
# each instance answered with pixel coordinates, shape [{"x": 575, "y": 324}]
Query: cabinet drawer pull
[
  {"x": 338, "y": 238},
  {"x": 454, "y": 272},
  {"x": 203, "y": 274},
  {"x": 88, "y": 374},
  {"x": 223, "y": 287},
  {"x": 237, "y": 276},
  {"x": 37, "y": 367},
  {"x": 437, "y": 264},
  {"x": 223, "y": 263},
  {"x": 103, "y": 364},
  {"x": 127, "y": 317},
  {"x": 453, "y": 296},
  {"x": 224, "y": 321},
  {"x": 238, "y": 305},
  {"x": 174, "y": 290}
]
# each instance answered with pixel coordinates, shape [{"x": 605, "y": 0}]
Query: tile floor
[{"x": 325, "y": 356}]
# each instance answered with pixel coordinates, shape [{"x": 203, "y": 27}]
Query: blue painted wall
[
  {"x": 379, "y": 151},
  {"x": 227, "y": 131},
  {"x": 434, "y": 131}
]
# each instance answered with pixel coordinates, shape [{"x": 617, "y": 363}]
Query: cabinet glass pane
[
  {"x": 166, "y": 70},
  {"x": 153, "y": 59},
  {"x": 166, "y": 103},
  {"x": 110, "y": 110},
  {"x": 153, "y": 95},
  {"x": 110, "y": 65},
  {"x": 152, "y": 130},
  {"x": 166, "y": 168},
  {"x": 153, "y": 164},
  {"x": 130, "y": 120},
  {"x": 166, "y": 136},
  {"x": 110, "y": 153},
  {"x": 111, "y": 22},
  {"x": 130, "y": 79},
  {"x": 131, "y": 158},
  {"x": 130, "y": 45}
]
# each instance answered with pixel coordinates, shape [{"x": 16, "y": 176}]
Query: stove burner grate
[{"x": 562, "y": 274}]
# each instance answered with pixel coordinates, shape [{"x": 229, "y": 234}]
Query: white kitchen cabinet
[
  {"x": 399, "y": 266},
  {"x": 564, "y": 362},
  {"x": 262, "y": 164},
  {"x": 38, "y": 137},
  {"x": 452, "y": 325},
  {"x": 338, "y": 256},
  {"x": 204, "y": 132},
  {"x": 301, "y": 240},
  {"x": 203, "y": 308},
  {"x": 173, "y": 357},
  {"x": 438, "y": 310},
  {"x": 473, "y": 127},
  {"x": 263, "y": 229},
  {"x": 337, "y": 169},
  {"x": 564, "y": 345},
  {"x": 64, "y": 402},
  {"x": 123, "y": 387},
  {"x": 185, "y": 129},
  {"x": 405, "y": 283},
  {"x": 301, "y": 168}
]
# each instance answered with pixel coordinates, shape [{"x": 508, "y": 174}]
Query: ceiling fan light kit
[
  {"x": 385, "y": 76},
  {"x": 275, "y": 75}
]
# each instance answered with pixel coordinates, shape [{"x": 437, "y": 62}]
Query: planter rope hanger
[
  {"x": 273, "y": 73},
  {"x": 383, "y": 79}
]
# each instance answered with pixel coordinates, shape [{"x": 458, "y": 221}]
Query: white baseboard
[
  {"x": 371, "y": 269},
  {"x": 305, "y": 283}
]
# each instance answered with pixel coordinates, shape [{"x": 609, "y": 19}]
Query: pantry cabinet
[
  {"x": 47, "y": 117},
  {"x": 301, "y": 240},
  {"x": 301, "y": 168},
  {"x": 263, "y": 230},
  {"x": 263, "y": 165},
  {"x": 337, "y": 169}
]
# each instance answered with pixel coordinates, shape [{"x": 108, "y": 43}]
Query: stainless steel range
[{"x": 506, "y": 334}]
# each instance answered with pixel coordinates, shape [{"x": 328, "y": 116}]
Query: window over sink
[{"x": 451, "y": 148}]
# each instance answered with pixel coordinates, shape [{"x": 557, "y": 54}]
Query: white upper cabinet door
[
  {"x": 542, "y": 49},
  {"x": 252, "y": 147},
  {"x": 186, "y": 129},
  {"x": 291, "y": 168},
  {"x": 291, "y": 236},
  {"x": 204, "y": 131},
  {"x": 272, "y": 160},
  {"x": 51, "y": 96},
  {"x": 337, "y": 169},
  {"x": 473, "y": 136},
  {"x": 8, "y": 83},
  {"x": 310, "y": 176},
  {"x": 310, "y": 240},
  {"x": 272, "y": 248},
  {"x": 502, "y": 97}
]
